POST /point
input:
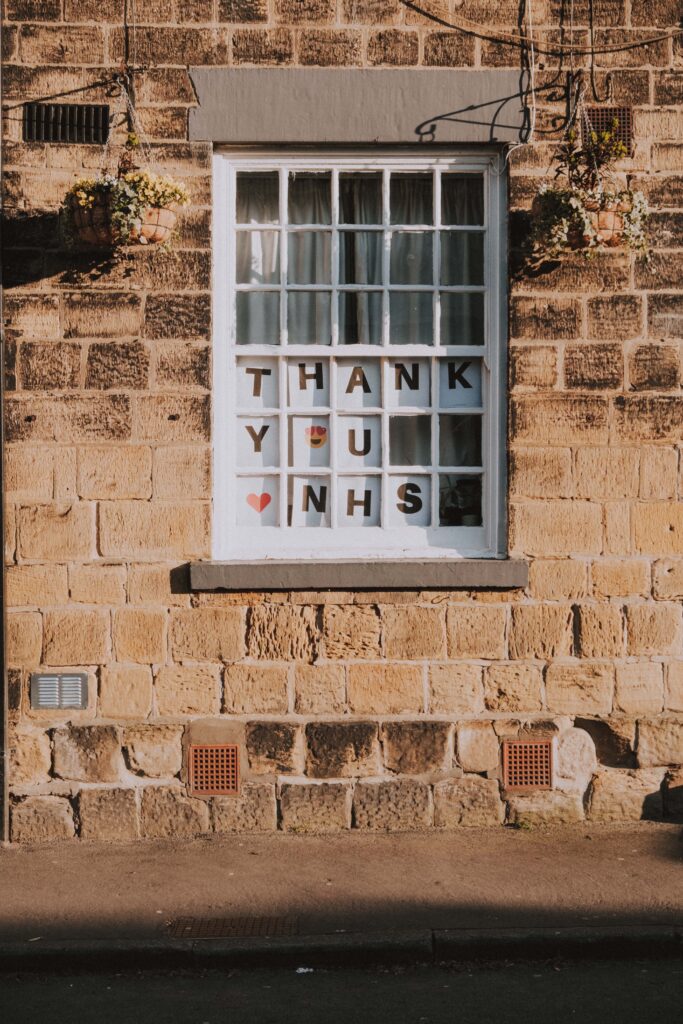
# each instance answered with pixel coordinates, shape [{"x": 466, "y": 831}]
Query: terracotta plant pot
[
  {"x": 92, "y": 225},
  {"x": 155, "y": 226}
]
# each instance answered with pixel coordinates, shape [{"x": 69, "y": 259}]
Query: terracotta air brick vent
[
  {"x": 527, "y": 765},
  {"x": 214, "y": 769}
]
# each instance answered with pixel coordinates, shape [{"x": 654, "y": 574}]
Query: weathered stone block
[
  {"x": 658, "y": 473},
  {"x": 350, "y": 632},
  {"x": 541, "y": 472},
  {"x": 87, "y": 753},
  {"x": 412, "y": 748},
  {"x": 328, "y": 48},
  {"x": 533, "y": 366},
  {"x": 24, "y": 638},
  {"x": 158, "y": 584},
  {"x": 263, "y": 46},
  {"x": 342, "y": 749},
  {"x": 254, "y": 810},
  {"x": 293, "y": 12},
  {"x": 392, "y": 47},
  {"x": 557, "y": 579},
  {"x": 115, "y": 472},
  {"x": 626, "y": 795},
  {"x": 468, "y": 802},
  {"x": 621, "y": 578},
  {"x": 607, "y": 473},
  {"x": 274, "y": 747},
  {"x": 255, "y": 689},
  {"x": 44, "y": 367},
  {"x": 187, "y": 690},
  {"x": 413, "y": 632},
  {"x": 649, "y": 417},
  {"x": 56, "y": 533},
  {"x": 614, "y": 739},
  {"x": 178, "y": 316},
  {"x": 385, "y": 689},
  {"x": 660, "y": 742},
  {"x": 108, "y": 815},
  {"x": 30, "y": 757},
  {"x": 476, "y": 632},
  {"x": 654, "y": 367},
  {"x": 117, "y": 365},
  {"x": 29, "y": 474},
  {"x": 477, "y": 747},
  {"x": 371, "y": 12},
  {"x": 580, "y": 689},
  {"x": 456, "y": 689},
  {"x": 76, "y": 638},
  {"x": 97, "y": 584},
  {"x": 658, "y": 528},
  {"x": 600, "y": 631},
  {"x": 140, "y": 635},
  {"x": 448, "y": 49},
  {"x": 153, "y": 750},
  {"x": 559, "y": 419},
  {"x": 654, "y": 629},
  {"x": 42, "y": 819},
  {"x": 640, "y": 688},
  {"x": 545, "y": 808},
  {"x": 208, "y": 634},
  {"x": 594, "y": 366},
  {"x": 615, "y": 317},
  {"x": 392, "y": 806},
  {"x": 556, "y": 528},
  {"x": 167, "y": 813},
  {"x": 182, "y": 472},
  {"x": 281, "y": 633},
  {"x": 316, "y": 807},
  {"x": 319, "y": 689},
  {"x": 139, "y": 530},
  {"x": 125, "y": 691},
  {"x": 513, "y": 688},
  {"x": 183, "y": 364},
  {"x": 172, "y": 418},
  {"x": 554, "y": 319},
  {"x": 575, "y": 762},
  {"x": 540, "y": 631},
  {"x": 243, "y": 10},
  {"x": 674, "y": 686}
]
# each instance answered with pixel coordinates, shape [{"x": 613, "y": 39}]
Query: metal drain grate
[
  {"x": 527, "y": 764},
  {"x": 66, "y": 122},
  {"x": 214, "y": 769},
  {"x": 607, "y": 119},
  {"x": 233, "y": 927}
]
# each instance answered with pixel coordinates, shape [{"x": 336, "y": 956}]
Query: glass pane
[
  {"x": 360, "y": 318},
  {"x": 258, "y": 257},
  {"x": 258, "y": 198},
  {"x": 358, "y": 500},
  {"x": 460, "y": 440},
  {"x": 358, "y": 384},
  {"x": 411, "y": 257},
  {"x": 462, "y": 257},
  {"x": 308, "y": 441},
  {"x": 308, "y": 383},
  {"x": 310, "y": 198},
  {"x": 257, "y": 384},
  {"x": 309, "y": 257},
  {"x": 459, "y": 383},
  {"x": 410, "y": 440},
  {"x": 410, "y": 501},
  {"x": 462, "y": 199},
  {"x": 360, "y": 198},
  {"x": 407, "y": 382},
  {"x": 462, "y": 318},
  {"x": 411, "y": 199},
  {"x": 308, "y": 318},
  {"x": 459, "y": 500},
  {"x": 258, "y": 318},
  {"x": 360, "y": 257},
  {"x": 411, "y": 318},
  {"x": 308, "y": 501},
  {"x": 258, "y": 442},
  {"x": 257, "y": 501},
  {"x": 359, "y": 442}
]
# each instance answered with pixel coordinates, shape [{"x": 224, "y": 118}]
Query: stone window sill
[{"x": 409, "y": 574}]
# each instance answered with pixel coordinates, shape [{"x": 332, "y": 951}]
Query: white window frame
[{"x": 233, "y": 543}]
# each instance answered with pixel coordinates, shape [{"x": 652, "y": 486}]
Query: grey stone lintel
[
  {"x": 408, "y": 574},
  {"x": 356, "y": 106}
]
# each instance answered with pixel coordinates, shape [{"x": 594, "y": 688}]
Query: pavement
[{"x": 280, "y": 899}]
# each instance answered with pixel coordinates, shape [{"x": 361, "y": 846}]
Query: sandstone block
[
  {"x": 139, "y": 530},
  {"x": 559, "y": 419},
  {"x": 575, "y": 762},
  {"x": 115, "y": 472},
  {"x": 187, "y": 690},
  {"x": 413, "y": 632},
  {"x": 456, "y": 689},
  {"x": 556, "y": 528},
  {"x": 448, "y": 49},
  {"x": 545, "y": 808},
  {"x": 556, "y": 318},
  {"x": 393, "y": 47},
  {"x": 476, "y": 632},
  {"x": 533, "y": 366},
  {"x": 153, "y": 750},
  {"x": 76, "y": 638},
  {"x": 557, "y": 579},
  {"x": 29, "y": 474},
  {"x": 372, "y": 12},
  {"x": 541, "y": 473},
  {"x": 319, "y": 689},
  {"x": 125, "y": 691},
  {"x": 626, "y": 795},
  {"x": 101, "y": 314},
  {"x": 649, "y": 417},
  {"x": 24, "y": 638},
  {"x": 97, "y": 584},
  {"x": 668, "y": 579},
  {"x": 108, "y": 815},
  {"x": 30, "y": 757},
  {"x": 594, "y": 366},
  {"x": 540, "y": 631},
  {"x": 673, "y": 794},
  {"x": 262, "y": 46},
  {"x": 609, "y": 473},
  {"x": 614, "y": 739},
  {"x": 513, "y": 688},
  {"x": 478, "y": 749},
  {"x": 33, "y": 317},
  {"x": 178, "y": 316},
  {"x": 254, "y": 810},
  {"x": 316, "y": 807},
  {"x": 640, "y": 688},
  {"x": 470, "y": 802},
  {"x": 281, "y": 633},
  {"x": 87, "y": 753},
  {"x": 294, "y": 12},
  {"x": 274, "y": 747},
  {"x": 42, "y": 819},
  {"x": 621, "y": 578},
  {"x": 140, "y": 635},
  {"x": 255, "y": 689},
  {"x": 658, "y": 473},
  {"x": 208, "y": 634},
  {"x": 654, "y": 629},
  {"x": 615, "y": 317},
  {"x": 328, "y": 48},
  {"x": 658, "y": 528},
  {"x": 413, "y": 748},
  {"x": 600, "y": 631},
  {"x": 674, "y": 686},
  {"x": 385, "y": 689},
  {"x": 342, "y": 749},
  {"x": 580, "y": 689},
  {"x": 120, "y": 364},
  {"x": 57, "y": 533},
  {"x": 660, "y": 742},
  {"x": 43, "y": 367},
  {"x": 351, "y": 632},
  {"x": 182, "y": 472},
  {"x": 392, "y": 806},
  {"x": 618, "y": 528},
  {"x": 155, "y": 584},
  {"x": 167, "y": 813}
]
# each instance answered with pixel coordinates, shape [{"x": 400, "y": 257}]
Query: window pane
[
  {"x": 411, "y": 199},
  {"x": 359, "y": 442},
  {"x": 360, "y": 257},
  {"x": 258, "y": 442},
  {"x": 462, "y": 199},
  {"x": 459, "y": 500},
  {"x": 459, "y": 383},
  {"x": 308, "y": 443},
  {"x": 308, "y": 318},
  {"x": 462, "y": 257},
  {"x": 309, "y": 257},
  {"x": 358, "y": 384},
  {"x": 310, "y": 198},
  {"x": 360, "y": 198},
  {"x": 360, "y": 318},
  {"x": 410, "y": 440},
  {"x": 462, "y": 318},
  {"x": 460, "y": 440},
  {"x": 358, "y": 500},
  {"x": 407, "y": 383},
  {"x": 308, "y": 383},
  {"x": 258, "y": 257},
  {"x": 308, "y": 501},
  {"x": 257, "y": 501},
  {"x": 258, "y": 198},
  {"x": 258, "y": 318},
  {"x": 410, "y": 501},
  {"x": 257, "y": 384},
  {"x": 411, "y": 318},
  {"x": 411, "y": 257}
]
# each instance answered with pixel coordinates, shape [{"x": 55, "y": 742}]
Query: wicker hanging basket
[{"x": 155, "y": 226}]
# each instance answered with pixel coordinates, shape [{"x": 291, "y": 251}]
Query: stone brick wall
[{"x": 367, "y": 710}]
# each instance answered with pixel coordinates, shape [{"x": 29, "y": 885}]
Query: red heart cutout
[{"x": 259, "y": 501}]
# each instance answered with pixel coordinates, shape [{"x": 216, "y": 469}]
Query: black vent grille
[
  {"x": 66, "y": 122},
  {"x": 607, "y": 119}
]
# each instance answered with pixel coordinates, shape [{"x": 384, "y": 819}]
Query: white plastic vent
[{"x": 59, "y": 691}]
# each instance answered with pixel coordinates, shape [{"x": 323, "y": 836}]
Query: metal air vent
[
  {"x": 59, "y": 691},
  {"x": 214, "y": 769},
  {"x": 66, "y": 122},
  {"x": 527, "y": 765},
  {"x": 607, "y": 119}
]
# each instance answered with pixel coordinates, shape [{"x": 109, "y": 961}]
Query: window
[{"x": 357, "y": 356}]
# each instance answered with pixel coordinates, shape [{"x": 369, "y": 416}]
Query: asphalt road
[{"x": 646, "y": 992}]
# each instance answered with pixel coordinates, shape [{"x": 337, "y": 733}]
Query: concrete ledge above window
[{"x": 409, "y": 574}]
